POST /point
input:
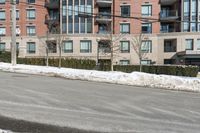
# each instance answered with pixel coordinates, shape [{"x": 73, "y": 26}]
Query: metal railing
[{"x": 167, "y": 14}]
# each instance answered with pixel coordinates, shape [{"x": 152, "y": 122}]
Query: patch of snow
[
  {"x": 5, "y": 131},
  {"x": 134, "y": 78}
]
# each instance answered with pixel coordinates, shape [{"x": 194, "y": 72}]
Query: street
[{"x": 98, "y": 106}]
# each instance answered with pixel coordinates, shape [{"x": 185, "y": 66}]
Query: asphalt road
[{"x": 97, "y": 106}]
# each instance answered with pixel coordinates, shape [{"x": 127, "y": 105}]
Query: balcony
[
  {"x": 104, "y": 3},
  {"x": 168, "y": 30},
  {"x": 170, "y": 15},
  {"x": 103, "y": 17},
  {"x": 52, "y": 4},
  {"x": 167, "y": 2},
  {"x": 51, "y": 21}
]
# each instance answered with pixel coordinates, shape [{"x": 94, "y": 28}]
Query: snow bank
[
  {"x": 134, "y": 78},
  {"x": 4, "y": 131}
]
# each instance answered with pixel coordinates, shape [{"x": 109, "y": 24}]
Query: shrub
[{"x": 190, "y": 71}]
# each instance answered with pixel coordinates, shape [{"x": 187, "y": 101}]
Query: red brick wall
[
  {"x": 135, "y": 25},
  {"x": 41, "y": 11}
]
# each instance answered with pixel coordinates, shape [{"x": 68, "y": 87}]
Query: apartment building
[
  {"x": 30, "y": 25},
  {"x": 171, "y": 34}
]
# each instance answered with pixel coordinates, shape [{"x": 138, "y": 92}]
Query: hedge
[
  {"x": 190, "y": 71},
  {"x": 66, "y": 62},
  {"x": 179, "y": 70}
]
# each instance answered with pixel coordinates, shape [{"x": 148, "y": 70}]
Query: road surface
[{"x": 98, "y": 106}]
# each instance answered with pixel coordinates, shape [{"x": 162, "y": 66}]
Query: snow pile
[
  {"x": 4, "y": 131},
  {"x": 134, "y": 78}
]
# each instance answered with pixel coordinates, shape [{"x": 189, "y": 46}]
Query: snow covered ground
[
  {"x": 134, "y": 78},
  {"x": 5, "y": 131}
]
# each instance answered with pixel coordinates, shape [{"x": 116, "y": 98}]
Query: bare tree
[
  {"x": 113, "y": 42},
  {"x": 138, "y": 45},
  {"x": 44, "y": 41}
]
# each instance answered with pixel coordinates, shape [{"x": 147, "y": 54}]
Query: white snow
[
  {"x": 134, "y": 78},
  {"x": 4, "y": 131}
]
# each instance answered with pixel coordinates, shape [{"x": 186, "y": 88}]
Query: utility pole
[{"x": 13, "y": 36}]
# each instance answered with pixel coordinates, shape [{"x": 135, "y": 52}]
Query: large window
[
  {"x": 189, "y": 44},
  {"x": 186, "y": 26},
  {"x": 169, "y": 61},
  {"x": 31, "y": 48},
  {"x": 2, "y": 31},
  {"x": 30, "y": 1},
  {"x": 85, "y": 46},
  {"x": 30, "y": 13},
  {"x": 125, "y": 10},
  {"x": 146, "y": 10},
  {"x": 145, "y": 62},
  {"x": 2, "y": 46},
  {"x": 124, "y": 62},
  {"x": 2, "y": 15},
  {"x": 125, "y": 28},
  {"x": 146, "y": 46},
  {"x": 169, "y": 46},
  {"x": 125, "y": 46},
  {"x": 68, "y": 46},
  {"x": 198, "y": 44},
  {"x": 31, "y": 30},
  {"x": 186, "y": 9},
  {"x": 146, "y": 28},
  {"x": 2, "y": 1}
]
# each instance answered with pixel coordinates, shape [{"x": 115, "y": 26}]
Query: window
[
  {"x": 169, "y": 46},
  {"x": 2, "y": 15},
  {"x": 2, "y": 31},
  {"x": 30, "y": 1},
  {"x": 125, "y": 28},
  {"x": 189, "y": 44},
  {"x": 124, "y": 62},
  {"x": 198, "y": 44},
  {"x": 85, "y": 46},
  {"x": 2, "y": 46},
  {"x": 186, "y": 26},
  {"x": 30, "y": 30},
  {"x": 125, "y": 11},
  {"x": 2, "y": 1},
  {"x": 146, "y": 28},
  {"x": 169, "y": 61},
  {"x": 186, "y": 8},
  {"x": 194, "y": 26},
  {"x": 146, "y": 10},
  {"x": 52, "y": 46},
  {"x": 146, "y": 46},
  {"x": 125, "y": 46},
  {"x": 68, "y": 46},
  {"x": 17, "y": 14},
  {"x": 31, "y": 47},
  {"x": 30, "y": 13},
  {"x": 145, "y": 62},
  {"x": 17, "y": 46}
]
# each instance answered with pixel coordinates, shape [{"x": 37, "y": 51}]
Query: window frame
[
  {"x": 121, "y": 47},
  {"x": 129, "y": 10},
  {"x": 28, "y": 48},
  {"x": 89, "y": 43},
  {"x": 28, "y": 13},
  {"x": 68, "y": 50},
  {"x": 122, "y": 28},
  {"x": 148, "y": 14},
  {"x": 186, "y": 43}
]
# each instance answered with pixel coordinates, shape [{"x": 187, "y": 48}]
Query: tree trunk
[
  {"x": 60, "y": 61},
  {"x": 140, "y": 65},
  {"x": 47, "y": 57}
]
